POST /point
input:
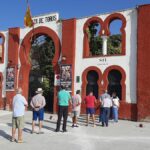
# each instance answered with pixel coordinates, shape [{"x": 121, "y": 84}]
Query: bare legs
[
  {"x": 19, "y": 134},
  {"x": 13, "y": 133},
  {"x": 33, "y": 126},
  {"x": 87, "y": 119},
  {"x": 74, "y": 120},
  {"x": 40, "y": 126},
  {"x": 93, "y": 119}
]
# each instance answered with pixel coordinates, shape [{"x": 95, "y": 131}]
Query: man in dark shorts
[
  {"x": 37, "y": 104},
  {"x": 90, "y": 101}
]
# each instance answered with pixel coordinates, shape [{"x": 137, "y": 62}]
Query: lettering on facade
[
  {"x": 102, "y": 61},
  {"x": 45, "y": 19}
]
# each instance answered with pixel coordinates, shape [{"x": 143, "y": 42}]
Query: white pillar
[{"x": 104, "y": 45}]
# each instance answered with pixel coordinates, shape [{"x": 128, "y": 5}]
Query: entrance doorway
[
  {"x": 114, "y": 78},
  {"x": 92, "y": 78},
  {"x": 42, "y": 73}
]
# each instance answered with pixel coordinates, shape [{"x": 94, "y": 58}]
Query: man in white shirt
[
  {"x": 101, "y": 98},
  {"x": 18, "y": 106},
  {"x": 76, "y": 104},
  {"x": 106, "y": 104}
]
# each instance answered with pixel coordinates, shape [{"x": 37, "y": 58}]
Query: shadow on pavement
[
  {"x": 44, "y": 127},
  {"x": 5, "y": 135}
]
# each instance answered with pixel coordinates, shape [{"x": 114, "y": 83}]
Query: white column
[{"x": 104, "y": 45}]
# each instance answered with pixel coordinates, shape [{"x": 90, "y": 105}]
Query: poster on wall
[
  {"x": 66, "y": 77},
  {"x": 10, "y": 78}
]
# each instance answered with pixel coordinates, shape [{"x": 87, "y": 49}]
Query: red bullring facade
[{"x": 71, "y": 41}]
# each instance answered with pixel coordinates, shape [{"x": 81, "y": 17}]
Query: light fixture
[{"x": 63, "y": 58}]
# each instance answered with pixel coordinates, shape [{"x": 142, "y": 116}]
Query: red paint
[
  {"x": 84, "y": 84},
  {"x": 86, "y": 48},
  {"x": 24, "y": 55},
  {"x": 106, "y": 82},
  {"x": 13, "y": 54},
  {"x": 107, "y": 23},
  {"x": 69, "y": 45},
  {"x": 126, "y": 111},
  {"x": 104, "y": 28},
  {"x": 143, "y": 65}
]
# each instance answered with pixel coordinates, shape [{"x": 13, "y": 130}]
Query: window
[
  {"x": 116, "y": 36},
  {"x": 95, "y": 41},
  {"x": 114, "y": 41},
  {"x": 106, "y": 37},
  {"x": 92, "y": 41}
]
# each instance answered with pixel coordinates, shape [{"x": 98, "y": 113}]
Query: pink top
[{"x": 90, "y": 100}]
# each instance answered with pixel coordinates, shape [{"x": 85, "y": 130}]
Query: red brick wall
[{"x": 143, "y": 62}]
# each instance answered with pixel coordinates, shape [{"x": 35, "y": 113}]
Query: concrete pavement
[{"x": 125, "y": 135}]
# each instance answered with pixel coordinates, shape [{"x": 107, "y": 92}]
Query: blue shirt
[
  {"x": 63, "y": 98},
  {"x": 19, "y": 103}
]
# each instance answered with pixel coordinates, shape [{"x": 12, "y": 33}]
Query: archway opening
[
  {"x": 114, "y": 42},
  {"x": 95, "y": 40},
  {"x": 92, "y": 78},
  {"x": 114, "y": 78},
  {"x": 42, "y": 73}
]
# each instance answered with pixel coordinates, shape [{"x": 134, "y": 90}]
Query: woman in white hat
[{"x": 37, "y": 104}]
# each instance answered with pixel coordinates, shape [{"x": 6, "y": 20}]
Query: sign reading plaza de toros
[{"x": 46, "y": 18}]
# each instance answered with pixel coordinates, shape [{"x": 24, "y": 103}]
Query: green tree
[
  {"x": 41, "y": 56},
  {"x": 114, "y": 44},
  {"x": 95, "y": 41}
]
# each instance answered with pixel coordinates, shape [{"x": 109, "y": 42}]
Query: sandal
[{"x": 20, "y": 141}]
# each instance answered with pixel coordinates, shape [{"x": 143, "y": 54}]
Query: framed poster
[
  {"x": 66, "y": 77},
  {"x": 10, "y": 78}
]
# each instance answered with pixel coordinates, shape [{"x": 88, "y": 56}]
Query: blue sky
[{"x": 12, "y": 11}]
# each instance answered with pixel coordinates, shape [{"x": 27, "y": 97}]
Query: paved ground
[{"x": 125, "y": 135}]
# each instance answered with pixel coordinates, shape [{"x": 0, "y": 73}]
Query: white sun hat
[{"x": 39, "y": 90}]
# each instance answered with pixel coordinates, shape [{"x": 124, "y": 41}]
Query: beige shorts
[
  {"x": 18, "y": 122},
  {"x": 75, "y": 113}
]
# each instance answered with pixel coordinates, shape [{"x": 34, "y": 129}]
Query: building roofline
[
  {"x": 48, "y": 13},
  {"x": 105, "y": 13}
]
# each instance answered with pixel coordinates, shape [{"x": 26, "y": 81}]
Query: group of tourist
[{"x": 64, "y": 98}]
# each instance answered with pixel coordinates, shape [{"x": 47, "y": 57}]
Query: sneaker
[
  {"x": 73, "y": 126},
  {"x": 76, "y": 126}
]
